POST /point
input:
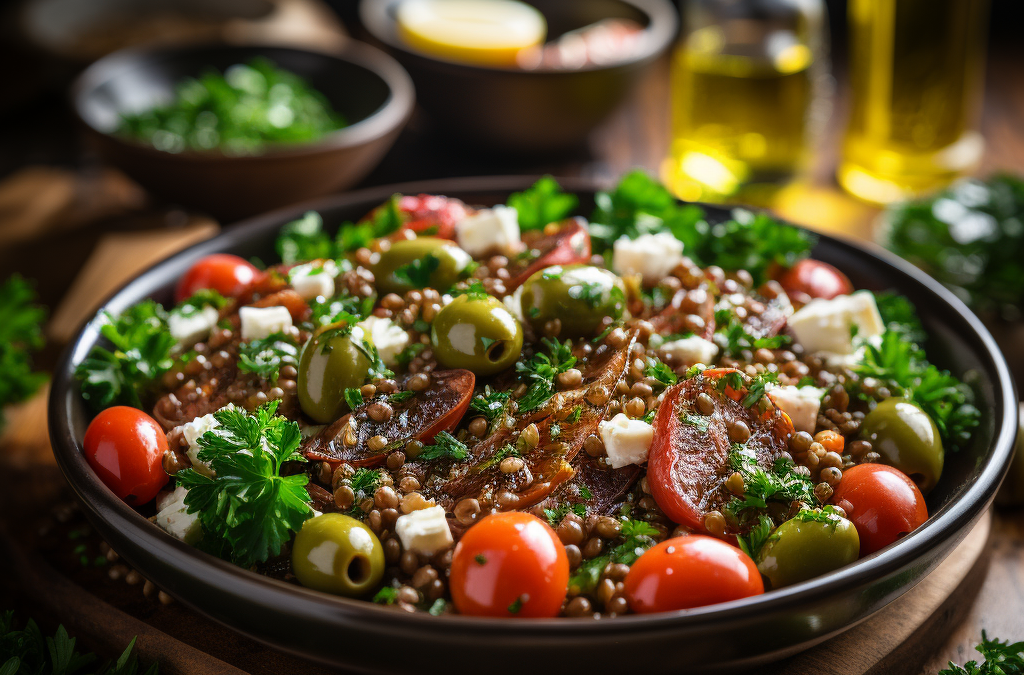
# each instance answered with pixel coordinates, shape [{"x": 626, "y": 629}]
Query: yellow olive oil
[
  {"x": 741, "y": 115},
  {"x": 915, "y": 76}
]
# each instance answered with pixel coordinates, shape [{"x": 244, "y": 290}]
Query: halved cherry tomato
[
  {"x": 125, "y": 447},
  {"x": 509, "y": 564},
  {"x": 882, "y": 502},
  {"x": 815, "y": 279},
  {"x": 691, "y": 571},
  {"x": 570, "y": 244},
  {"x": 227, "y": 274},
  {"x": 290, "y": 300},
  {"x": 689, "y": 456},
  {"x": 425, "y": 212}
]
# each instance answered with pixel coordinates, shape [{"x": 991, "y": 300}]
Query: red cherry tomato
[
  {"x": 227, "y": 274},
  {"x": 691, "y": 571},
  {"x": 690, "y": 452},
  {"x": 125, "y": 447},
  {"x": 882, "y": 502},
  {"x": 569, "y": 245},
  {"x": 815, "y": 279},
  {"x": 509, "y": 565},
  {"x": 432, "y": 211}
]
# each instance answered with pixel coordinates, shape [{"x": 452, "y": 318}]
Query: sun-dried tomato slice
[{"x": 568, "y": 245}]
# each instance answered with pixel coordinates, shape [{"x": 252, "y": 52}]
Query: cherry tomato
[
  {"x": 227, "y": 274},
  {"x": 569, "y": 245},
  {"x": 125, "y": 447},
  {"x": 815, "y": 279},
  {"x": 690, "y": 449},
  {"x": 882, "y": 502},
  {"x": 691, "y": 571},
  {"x": 509, "y": 564},
  {"x": 425, "y": 212}
]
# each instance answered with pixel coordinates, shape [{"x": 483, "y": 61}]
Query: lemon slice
[{"x": 483, "y": 32}]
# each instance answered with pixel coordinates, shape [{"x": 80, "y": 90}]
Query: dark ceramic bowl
[
  {"x": 365, "y": 637},
  {"x": 525, "y": 111},
  {"x": 362, "y": 83}
]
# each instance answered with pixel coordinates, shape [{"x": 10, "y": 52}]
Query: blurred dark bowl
[
  {"x": 365, "y": 85},
  {"x": 529, "y": 111}
]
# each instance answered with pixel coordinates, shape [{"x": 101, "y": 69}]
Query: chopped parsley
[
  {"x": 265, "y": 357},
  {"x": 1000, "y": 658},
  {"x": 733, "y": 337},
  {"x": 405, "y": 357},
  {"x": 437, "y": 607},
  {"x": 659, "y": 371},
  {"x": 384, "y": 220},
  {"x": 490, "y": 403},
  {"x": 348, "y": 308},
  {"x": 590, "y": 292},
  {"x": 249, "y": 509},
  {"x": 387, "y": 595},
  {"x": 516, "y": 605},
  {"x": 199, "y": 300},
  {"x": 304, "y": 239},
  {"x": 445, "y": 446},
  {"x": 21, "y": 333},
  {"x": 637, "y": 536},
  {"x": 698, "y": 421},
  {"x": 758, "y": 387},
  {"x": 585, "y": 492},
  {"x": 364, "y": 482},
  {"x": 401, "y": 396},
  {"x": 544, "y": 202},
  {"x": 475, "y": 291},
  {"x": 480, "y": 559},
  {"x": 353, "y": 397},
  {"x": 540, "y": 372},
  {"x": 556, "y": 514},
  {"x": 780, "y": 483},
  {"x": 418, "y": 272},
  {"x": 575, "y": 415}
]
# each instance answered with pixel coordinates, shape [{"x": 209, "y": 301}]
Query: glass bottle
[
  {"x": 916, "y": 76},
  {"x": 750, "y": 92}
]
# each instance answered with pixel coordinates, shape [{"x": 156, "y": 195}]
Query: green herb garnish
[
  {"x": 304, "y": 239},
  {"x": 540, "y": 372},
  {"x": 265, "y": 357},
  {"x": 544, "y": 202},
  {"x": 21, "y": 332},
  {"x": 637, "y": 536},
  {"x": 1000, "y": 658},
  {"x": 417, "y": 273},
  {"x": 445, "y": 446}
]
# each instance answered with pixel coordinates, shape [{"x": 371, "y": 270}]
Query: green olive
[
  {"x": 583, "y": 298},
  {"x": 337, "y": 554},
  {"x": 477, "y": 334},
  {"x": 333, "y": 360},
  {"x": 1012, "y": 491},
  {"x": 803, "y": 548},
  {"x": 439, "y": 261},
  {"x": 906, "y": 438}
]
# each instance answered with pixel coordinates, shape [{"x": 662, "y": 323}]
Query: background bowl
[
  {"x": 362, "y": 83},
  {"x": 527, "y": 111},
  {"x": 361, "y": 636}
]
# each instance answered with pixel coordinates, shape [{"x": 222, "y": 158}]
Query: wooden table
[{"x": 637, "y": 135}]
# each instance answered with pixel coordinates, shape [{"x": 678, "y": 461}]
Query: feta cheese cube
[
  {"x": 494, "y": 230},
  {"x": 261, "y": 322},
  {"x": 189, "y": 329},
  {"x": 653, "y": 256},
  {"x": 690, "y": 350},
  {"x": 626, "y": 440},
  {"x": 825, "y": 325},
  {"x": 387, "y": 336},
  {"x": 174, "y": 519},
  {"x": 425, "y": 531},
  {"x": 800, "y": 403},
  {"x": 192, "y": 432},
  {"x": 313, "y": 280}
]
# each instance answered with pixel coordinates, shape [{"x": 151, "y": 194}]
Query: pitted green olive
[
  {"x": 583, "y": 298},
  {"x": 476, "y": 333},
  {"x": 333, "y": 360},
  {"x": 907, "y": 439},
  {"x": 419, "y": 263},
  {"x": 803, "y": 548},
  {"x": 337, "y": 554}
]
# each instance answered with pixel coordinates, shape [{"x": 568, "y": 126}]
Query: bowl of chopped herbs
[
  {"x": 933, "y": 351},
  {"x": 236, "y": 131}
]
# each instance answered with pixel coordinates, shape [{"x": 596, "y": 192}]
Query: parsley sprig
[
  {"x": 265, "y": 357},
  {"x": 542, "y": 203},
  {"x": 249, "y": 509},
  {"x": 21, "y": 333},
  {"x": 540, "y": 371},
  {"x": 1000, "y": 658}
]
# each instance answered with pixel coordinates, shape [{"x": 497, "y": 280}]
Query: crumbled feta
[
  {"x": 187, "y": 330},
  {"x": 514, "y": 304},
  {"x": 387, "y": 336},
  {"x": 494, "y": 230},
  {"x": 653, "y": 256},
  {"x": 825, "y": 325},
  {"x": 690, "y": 350},
  {"x": 626, "y": 441},
  {"x": 174, "y": 519},
  {"x": 800, "y": 403},
  {"x": 192, "y": 432},
  {"x": 313, "y": 280},
  {"x": 261, "y": 322},
  {"x": 425, "y": 531}
]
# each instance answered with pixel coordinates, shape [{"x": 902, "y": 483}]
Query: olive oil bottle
[
  {"x": 915, "y": 75},
  {"x": 749, "y": 90}
]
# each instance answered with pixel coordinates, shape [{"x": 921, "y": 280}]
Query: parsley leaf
[
  {"x": 387, "y": 595},
  {"x": 304, "y": 239},
  {"x": 444, "y": 446},
  {"x": 265, "y": 357},
  {"x": 641, "y": 205},
  {"x": 540, "y": 372},
  {"x": 206, "y": 297},
  {"x": 344, "y": 308},
  {"x": 20, "y": 333},
  {"x": 353, "y": 397},
  {"x": 781, "y": 483},
  {"x": 637, "y": 536},
  {"x": 417, "y": 273},
  {"x": 490, "y": 403},
  {"x": 757, "y": 388},
  {"x": 248, "y": 509},
  {"x": 698, "y": 421},
  {"x": 544, "y": 202},
  {"x": 405, "y": 357},
  {"x": 754, "y": 539},
  {"x": 141, "y": 353},
  {"x": 1000, "y": 658},
  {"x": 733, "y": 337},
  {"x": 661, "y": 372},
  {"x": 556, "y": 514},
  {"x": 900, "y": 315},
  {"x": 384, "y": 220}
]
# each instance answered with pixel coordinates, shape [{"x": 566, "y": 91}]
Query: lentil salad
[{"x": 599, "y": 410}]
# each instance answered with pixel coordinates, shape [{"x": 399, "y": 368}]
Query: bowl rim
[
  {"x": 393, "y": 113},
  {"x": 663, "y": 21},
  {"x": 292, "y": 600}
]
